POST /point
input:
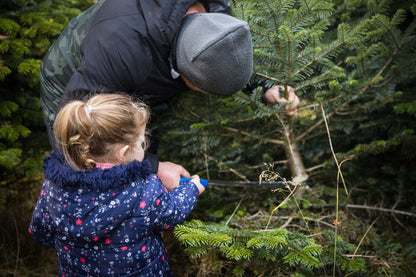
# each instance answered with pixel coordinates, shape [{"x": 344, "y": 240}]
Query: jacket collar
[{"x": 60, "y": 173}]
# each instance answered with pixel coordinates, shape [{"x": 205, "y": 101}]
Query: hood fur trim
[{"x": 60, "y": 173}]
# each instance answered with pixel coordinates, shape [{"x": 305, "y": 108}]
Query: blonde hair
[{"x": 90, "y": 129}]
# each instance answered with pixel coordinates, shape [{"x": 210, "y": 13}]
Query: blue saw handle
[{"x": 202, "y": 181}]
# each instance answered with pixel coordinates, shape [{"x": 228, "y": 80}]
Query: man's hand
[
  {"x": 170, "y": 174},
  {"x": 272, "y": 96}
]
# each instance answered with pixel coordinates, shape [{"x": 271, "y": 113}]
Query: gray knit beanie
[{"x": 214, "y": 52}]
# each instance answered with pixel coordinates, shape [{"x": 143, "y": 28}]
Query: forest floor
[{"x": 384, "y": 237}]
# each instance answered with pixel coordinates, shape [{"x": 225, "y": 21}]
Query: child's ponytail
[
  {"x": 72, "y": 129},
  {"x": 89, "y": 130}
]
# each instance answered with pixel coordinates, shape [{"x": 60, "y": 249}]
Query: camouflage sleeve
[{"x": 61, "y": 61}]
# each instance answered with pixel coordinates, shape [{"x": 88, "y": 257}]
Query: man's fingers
[
  {"x": 291, "y": 109},
  {"x": 294, "y": 99},
  {"x": 273, "y": 96},
  {"x": 185, "y": 173}
]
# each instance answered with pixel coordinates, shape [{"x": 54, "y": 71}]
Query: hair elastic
[{"x": 89, "y": 109}]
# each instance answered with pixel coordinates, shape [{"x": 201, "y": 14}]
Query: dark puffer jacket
[
  {"x": 117, "y": 46},
  {"x": 108, "y": 222}
]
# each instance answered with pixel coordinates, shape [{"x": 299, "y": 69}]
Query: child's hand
[{"x": 196, "y": 181}]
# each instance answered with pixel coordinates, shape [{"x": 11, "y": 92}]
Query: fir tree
[{"x": 358, "y": 69}]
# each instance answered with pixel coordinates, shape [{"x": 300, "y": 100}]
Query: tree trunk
[{"x": 292, "y": 153}]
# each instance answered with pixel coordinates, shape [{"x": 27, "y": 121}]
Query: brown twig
[
  {"x": 362, "y": 239},
  {"x": 353, "y": 206},
  {"x": 239, "y": 174},
  {"x": 339, "y": 175}
]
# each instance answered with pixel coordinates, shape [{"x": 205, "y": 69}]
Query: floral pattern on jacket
[{"x": 108, "y": 222}]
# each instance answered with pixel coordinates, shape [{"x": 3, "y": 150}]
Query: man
[{"x": 152, "y": 49}]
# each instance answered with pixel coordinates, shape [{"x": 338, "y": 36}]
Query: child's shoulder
[{"x": 152, "y": 181}]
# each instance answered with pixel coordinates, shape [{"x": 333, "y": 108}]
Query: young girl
[{"x": 99, "y": 206}]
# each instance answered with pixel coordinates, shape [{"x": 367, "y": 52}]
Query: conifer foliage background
[
  {"x": 351, "y": 64},
  {"x": 27, "y": 29}
]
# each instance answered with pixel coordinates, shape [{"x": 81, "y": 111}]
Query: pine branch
[
  {"x": 276, "y": 26},
  {"x": 238, "y": 131},
  {"x": 279, "y": 81}
]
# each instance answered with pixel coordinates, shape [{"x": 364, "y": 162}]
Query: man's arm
[{"x": 217, "y": 6}]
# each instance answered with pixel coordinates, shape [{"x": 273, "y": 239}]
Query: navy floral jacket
[{"x": 108, "y": 222}]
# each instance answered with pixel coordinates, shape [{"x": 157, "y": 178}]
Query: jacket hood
[{"x": 61, "y": 174}]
